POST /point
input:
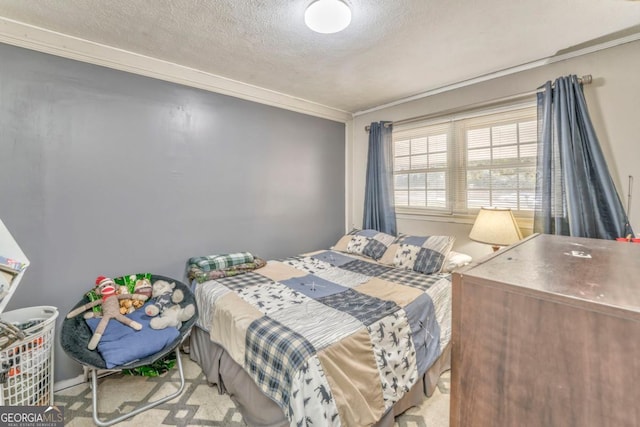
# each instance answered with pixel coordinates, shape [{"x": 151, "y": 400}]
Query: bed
[{"x": 353, "y": 335}]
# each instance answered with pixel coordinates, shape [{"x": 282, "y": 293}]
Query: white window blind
[{"x": 458, "y": 164}]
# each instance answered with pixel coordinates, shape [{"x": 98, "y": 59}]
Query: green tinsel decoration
[{"x": 155, "y": 369}]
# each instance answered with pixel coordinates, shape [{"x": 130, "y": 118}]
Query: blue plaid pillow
[
  {"x": 368, "y": 243},
  {"x": 423, "y": 254}
]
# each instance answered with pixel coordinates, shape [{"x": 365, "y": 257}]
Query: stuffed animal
[
  {"x": 173, "y": 316},
  {"x": 167, "y": 306},
  {"x": 165, "y": 295},
  {"x": 126, "y": 304},
  {"x": 106, "y": 288},
  {"x": 141, "y": 287}
]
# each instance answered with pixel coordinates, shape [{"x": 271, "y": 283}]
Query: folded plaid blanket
[
  {"x": 221, "y": 262},
  {"x": 212, "y": 267}
]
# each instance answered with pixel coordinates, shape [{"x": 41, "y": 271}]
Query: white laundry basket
[{"x": 26, "y": 364}]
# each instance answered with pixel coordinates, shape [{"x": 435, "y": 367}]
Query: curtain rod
[{"x": 585, "y": 80}]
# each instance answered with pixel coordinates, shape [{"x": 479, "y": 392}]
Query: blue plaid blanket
[{"x": 333, "y": 339}]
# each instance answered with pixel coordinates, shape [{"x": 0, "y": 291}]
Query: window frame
[{"x": 455, "y": 177}]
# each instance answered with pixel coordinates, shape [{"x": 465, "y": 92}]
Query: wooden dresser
[{"x": 547, "y": 333}]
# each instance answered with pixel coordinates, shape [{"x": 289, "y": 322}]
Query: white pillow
[{"x": 456, "y": 260}]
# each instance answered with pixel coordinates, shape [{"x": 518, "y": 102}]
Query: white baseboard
[
  {"x": 61, "y": 385},
  {"x": 80, "y": 379}
]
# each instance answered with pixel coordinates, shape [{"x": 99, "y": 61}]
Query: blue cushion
[{"x": 121, "y": 344}]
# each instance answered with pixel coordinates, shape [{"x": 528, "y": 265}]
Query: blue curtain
[
  {"x": 575, "y": 195},
  {"x": 379, "y": 208}
]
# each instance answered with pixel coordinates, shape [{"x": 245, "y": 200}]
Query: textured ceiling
[{"x": 392, "y": 50}]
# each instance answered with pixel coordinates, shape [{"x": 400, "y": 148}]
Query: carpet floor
[{"x": 200, "y": 404}]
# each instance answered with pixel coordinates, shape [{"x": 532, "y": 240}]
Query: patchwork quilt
[{"x": 333, "y": 338}]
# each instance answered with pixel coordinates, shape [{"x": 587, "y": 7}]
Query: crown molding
[
  {"x": 54, "y": 43},
  {"x": 507, "y": 71}
]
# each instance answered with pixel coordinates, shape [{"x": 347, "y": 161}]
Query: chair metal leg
[{"x": 136, "y": 411}]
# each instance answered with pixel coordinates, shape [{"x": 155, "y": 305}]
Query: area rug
[{"x": 200, "y": 404}]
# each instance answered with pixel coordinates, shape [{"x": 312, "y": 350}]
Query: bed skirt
[{"x": 260, "y": 411}]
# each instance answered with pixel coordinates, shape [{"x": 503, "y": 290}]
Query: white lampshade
[
  {"x": 327, "y": 16},
  {"x": 496, "y": 227}
]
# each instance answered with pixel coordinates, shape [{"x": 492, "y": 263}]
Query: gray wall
[{"x": 108, "y": 173}]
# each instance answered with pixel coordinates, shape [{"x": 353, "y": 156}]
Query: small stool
[{"x": 75, "y": 336}]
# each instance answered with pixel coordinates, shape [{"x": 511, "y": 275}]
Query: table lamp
[{"x": 495, "y": 227}]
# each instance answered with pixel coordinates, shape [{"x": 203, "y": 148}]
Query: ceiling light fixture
[{"x": 327, "y": 16}]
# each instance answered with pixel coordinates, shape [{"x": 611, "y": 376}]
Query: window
[{"x": 458, "y": 164}]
